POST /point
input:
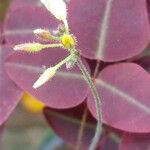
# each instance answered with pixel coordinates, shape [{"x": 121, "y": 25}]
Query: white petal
[
  {"x": 47, "y": 75},
  {"x": 57, "y": 8}
]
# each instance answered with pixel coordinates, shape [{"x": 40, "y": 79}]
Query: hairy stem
[
  {"x": 68, "y": 58},
  {"x": 88, "y": 79},
  {"x": 81, "y": 129},
  {"x": 52, "y": 45}
]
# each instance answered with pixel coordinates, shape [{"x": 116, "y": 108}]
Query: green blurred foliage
[{"x": 4, "y": 4}]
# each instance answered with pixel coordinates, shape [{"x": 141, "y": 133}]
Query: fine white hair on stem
[{"x": 98, "y": 104}]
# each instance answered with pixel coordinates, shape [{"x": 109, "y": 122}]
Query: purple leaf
[
  {"x": 135, "y": 141},
  {"x": 144, "y": 62},
  {"x": 148, "y": 7},
  {"x": 20, "y": 29},
  {"x": 66, "y": 89},
  {"x": 126, "y": 35},
  {"x": 124, "y": 91},
  {"x": 1, "y": 32},
  {"x": 124, "y": 24},
  {"x": 21, "y": 3},
  {"x": 66, "y": 124},
  {"x": 10, "y": 93},
  {"x": 109, "y": 143}
]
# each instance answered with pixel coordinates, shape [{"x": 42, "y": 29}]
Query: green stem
[
  {"x": 52, "y": 45},
  {"x": 88, "y": 79},
  {"x": 68, "y": 58},
  {"x": 55, "y": 38}
]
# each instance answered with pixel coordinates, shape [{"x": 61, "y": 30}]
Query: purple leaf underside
[
  {"x": 10, "y": 93},
  {"x": 124, "y": 91},
  {"x": 66, "y": 89},
  {"x": 20, "y": 29},
  {"x": 137, "y": 142},
  {"x": 110, "y": 30},
  {"x": 21, "y": 3},
  {"x": 124, "y": 27},
  {"x": 66, "y": 124}
]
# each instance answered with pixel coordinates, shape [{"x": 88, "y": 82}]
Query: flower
[
  {"x": 68, "y": 41},
  {"x": 47, "y": 75},
  {"x": 57, "y": 8}
]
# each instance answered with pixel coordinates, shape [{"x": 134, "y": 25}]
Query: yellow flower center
[{"x": 68, "y": 41}]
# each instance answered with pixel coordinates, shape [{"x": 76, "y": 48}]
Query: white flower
[
  {"x": 47, "y": 75},
  {"x": 57, "y": 8}
]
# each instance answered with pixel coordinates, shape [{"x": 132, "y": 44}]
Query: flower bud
[
  {"x": 47, "y": 75},
  {"x": 57, "y": 8},
  {"x": 29, "y": 47},
  {"x": 43, "y": 34}
]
